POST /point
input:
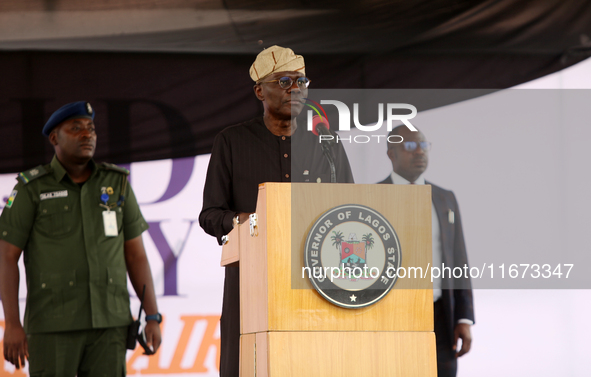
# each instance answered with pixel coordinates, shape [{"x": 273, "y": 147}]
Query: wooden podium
[{"x": 291, "y": 330}]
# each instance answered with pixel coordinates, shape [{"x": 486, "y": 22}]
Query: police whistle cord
[{"x": 121, "y": 201}]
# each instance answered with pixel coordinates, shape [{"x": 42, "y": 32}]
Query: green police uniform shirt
[{"x": 76, "y": 275}]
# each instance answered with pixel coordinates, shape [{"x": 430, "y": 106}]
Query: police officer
[{"x": 80, "y": 227}]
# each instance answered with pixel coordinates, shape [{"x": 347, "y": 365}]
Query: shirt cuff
[
  {"x": 13, "y": 236},
  {"x": 135, "y": 229},
  {"x": 466, "y": 321},
  {"x": 228, "y": 222},
  {"x": 227, "y": 225}
]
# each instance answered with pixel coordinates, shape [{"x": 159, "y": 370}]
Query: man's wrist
[
  {"x": 13, "y": 323},
  {"x": 465, "y": 321}
]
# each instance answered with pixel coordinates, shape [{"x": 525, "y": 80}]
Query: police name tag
[
  {"x": 55, "y": 194},
  {"x": 110, "y": 222}
]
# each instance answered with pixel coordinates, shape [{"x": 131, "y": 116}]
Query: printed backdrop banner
[
  {"x": 185, "y": 263},
  {"x": 515, "y": 166}
]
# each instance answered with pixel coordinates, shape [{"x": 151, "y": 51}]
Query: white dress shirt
[{"x": 435, "y": 232}]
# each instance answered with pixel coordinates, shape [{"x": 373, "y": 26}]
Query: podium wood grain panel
[
  {"x": 254, "y": 303},
  {"x": 262, "y": 355},
  {"x": 352, "y": 354},
  {"x": 247, "y": 355},
  {"x": 291, "y": 209}
]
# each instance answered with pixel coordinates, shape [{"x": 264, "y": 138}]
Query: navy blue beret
[{"x": 80, "y": 109}]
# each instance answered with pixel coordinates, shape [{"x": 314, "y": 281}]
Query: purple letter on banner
[
  {"x": 182, "y": 168},
  {"x": 168, "y": 257}
]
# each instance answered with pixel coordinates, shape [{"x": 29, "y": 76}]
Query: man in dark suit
[{"x": 453, "y": 304}]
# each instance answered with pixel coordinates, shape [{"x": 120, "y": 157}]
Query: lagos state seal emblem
[{"x": 351, "y": 254}]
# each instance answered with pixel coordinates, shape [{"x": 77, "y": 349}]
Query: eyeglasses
[
  {"x": 411, "y": 146},
  {"x": 287, "y": 82}
]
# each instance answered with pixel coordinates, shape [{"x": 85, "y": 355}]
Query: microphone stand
[{"x": 326, "y": 150}]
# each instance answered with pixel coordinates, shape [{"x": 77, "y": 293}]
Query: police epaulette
[
  {"x": 29, "y": 175},
  {"x": 114, "y": 167}
]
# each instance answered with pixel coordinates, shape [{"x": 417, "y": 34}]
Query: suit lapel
[{"x": 388, "y": 180}]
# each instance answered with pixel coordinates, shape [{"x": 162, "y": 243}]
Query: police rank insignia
[
  {"x": 88, "y": 108},
  {"x": 11, "y": 198},
  {"x": 351, "y": 255}
]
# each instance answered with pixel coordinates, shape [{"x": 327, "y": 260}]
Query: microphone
[{"x": 320, "y": 127}]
